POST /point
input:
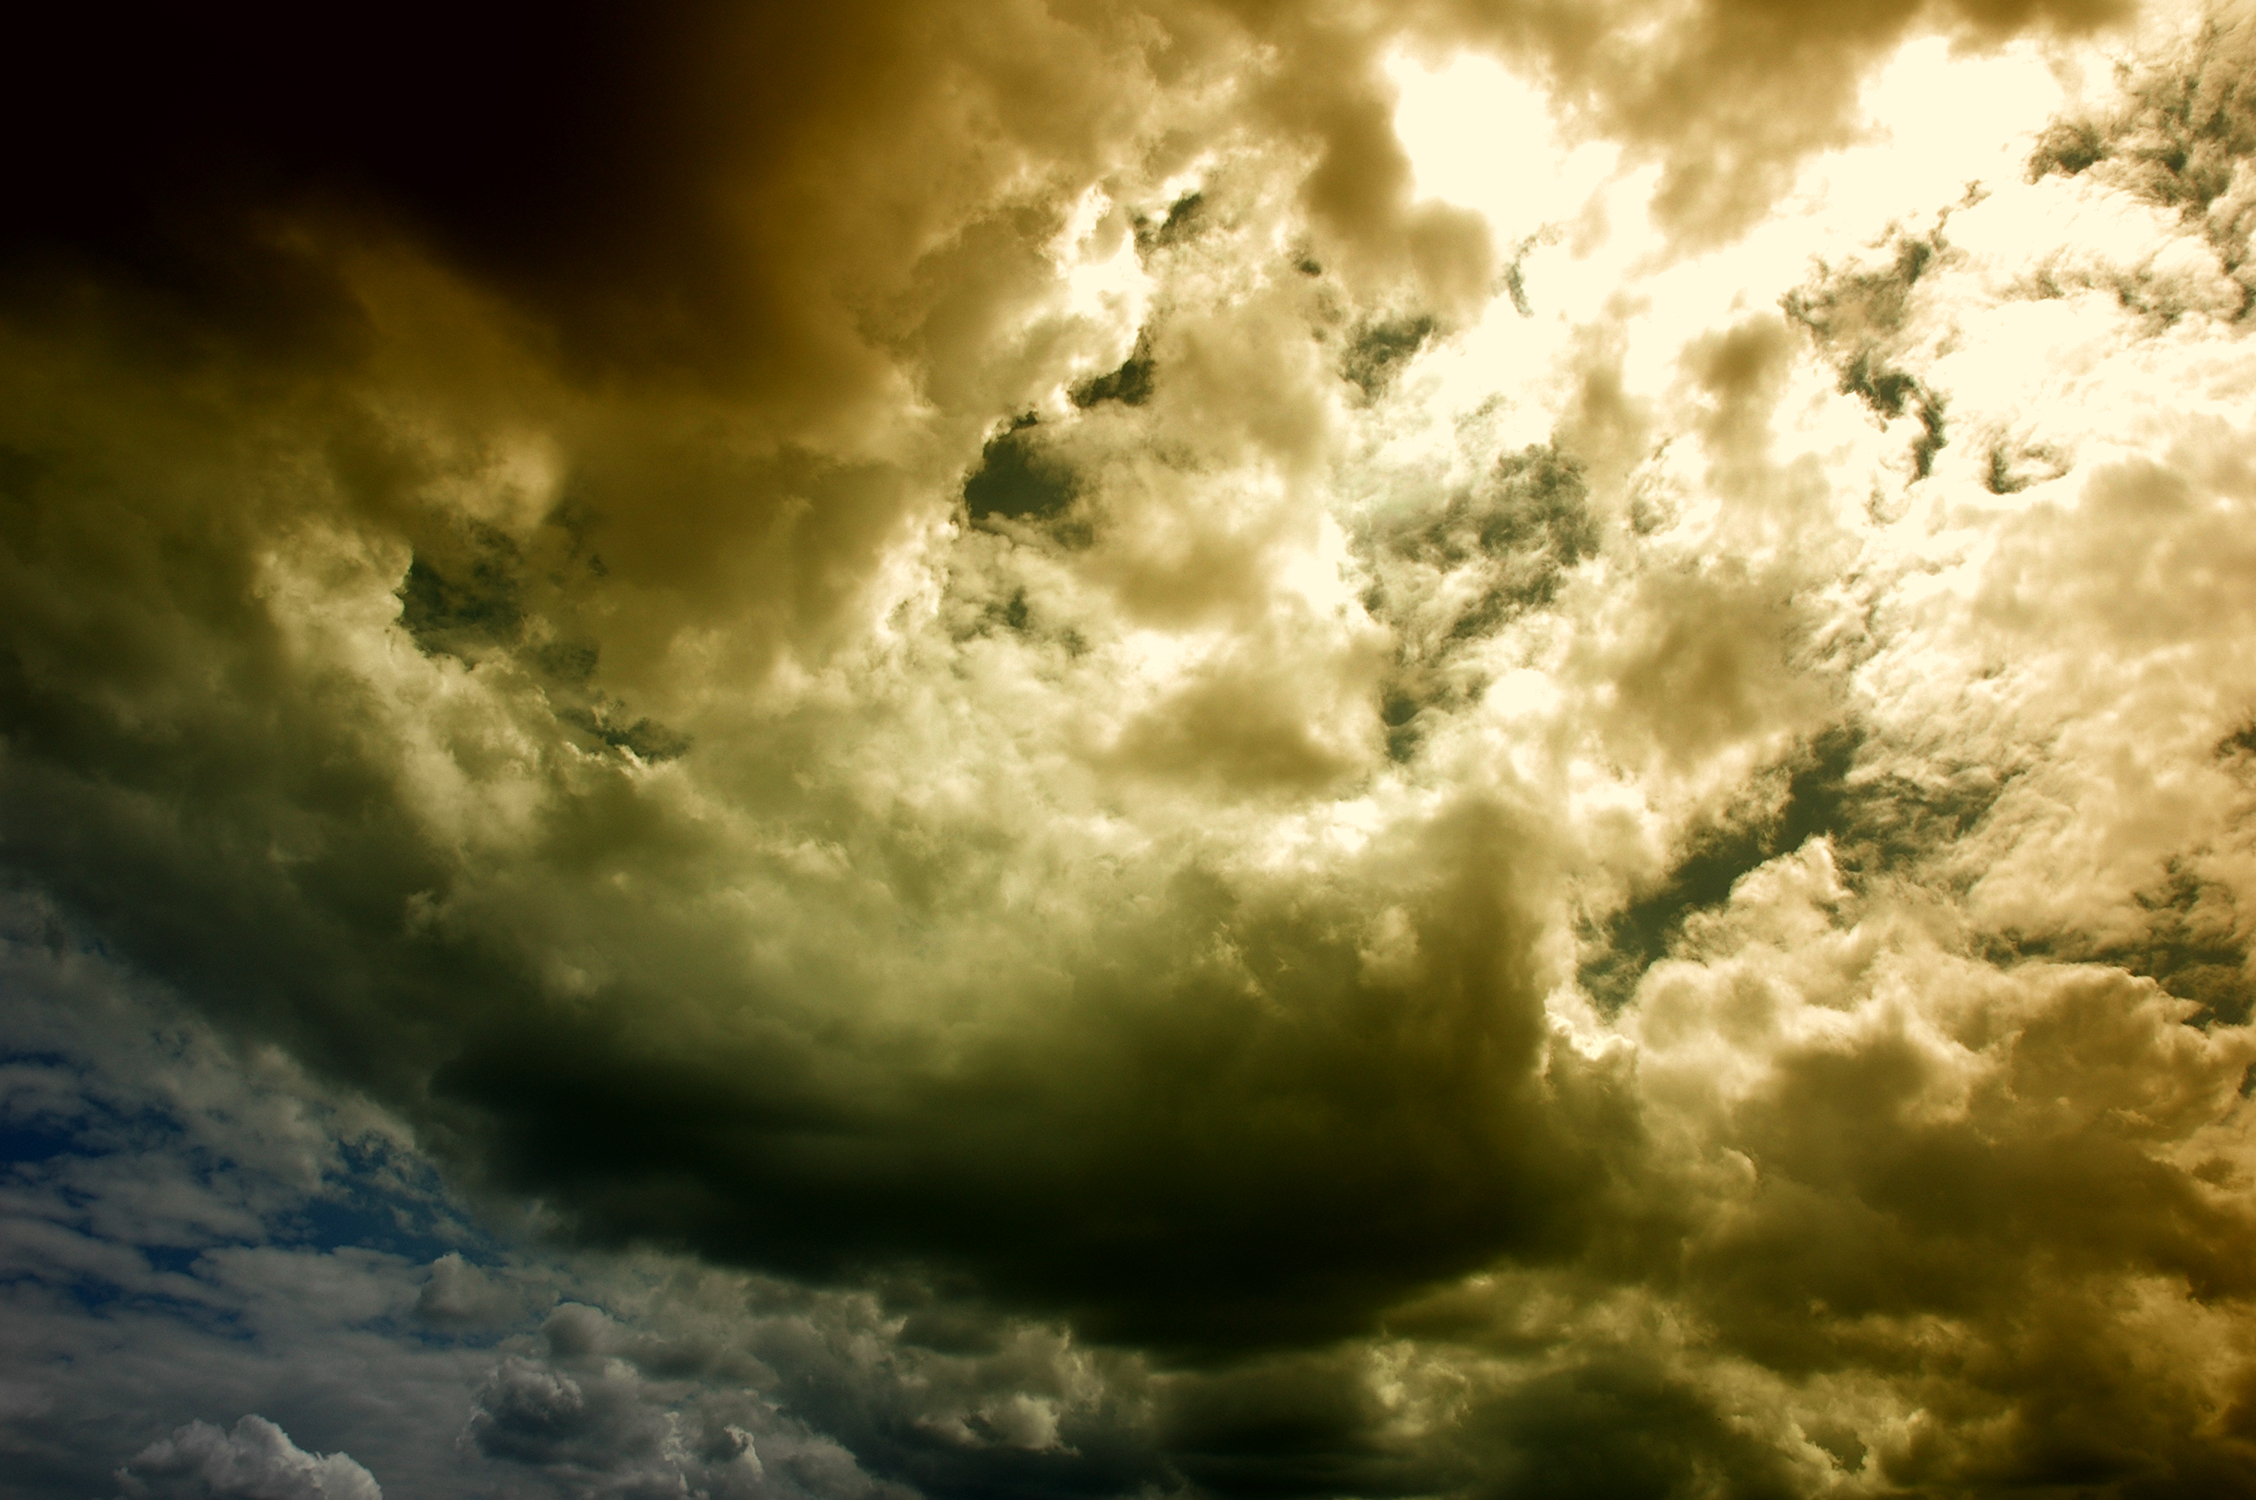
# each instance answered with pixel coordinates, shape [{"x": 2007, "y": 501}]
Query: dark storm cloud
[
  {"x": 617, "y": 176},
  {"x": 1182, "y": 1168},
  {"x": 748, "y": 229}
]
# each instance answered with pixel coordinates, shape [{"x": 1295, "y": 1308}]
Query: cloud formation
[
  {"x": 1069, "y": 789},
  {"x": 255, "y": 1460}
]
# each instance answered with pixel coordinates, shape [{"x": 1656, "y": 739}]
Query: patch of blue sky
[
  {"x": 36, "y": 1142},
  {"x": 117, "y": 1189}
]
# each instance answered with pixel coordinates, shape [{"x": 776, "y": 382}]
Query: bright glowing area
[
  {"x": 1481, "y": 136},
  {"x": 1915, "y": 150}
]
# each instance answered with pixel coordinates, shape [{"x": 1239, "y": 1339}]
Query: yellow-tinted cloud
[{"x": 978, "y": 661}]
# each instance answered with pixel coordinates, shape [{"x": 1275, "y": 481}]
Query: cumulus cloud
[
  {"x": 254, "y": 1460},
  {"x": 1069, "y": 791}
]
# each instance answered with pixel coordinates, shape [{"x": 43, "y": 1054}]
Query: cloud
[
  {"x": 255, "y": 1460},
  {"x": 1034, "y": 788},
  {"x": 122, "y": 1326},
  {"x": 1941, "y": 1144},
  {"x": 460, "y": 1294}
]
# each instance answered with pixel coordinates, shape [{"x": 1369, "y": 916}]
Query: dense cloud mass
[
  {"x": 256, "y": 1461},
  {"x": 1176, "y": 748}
]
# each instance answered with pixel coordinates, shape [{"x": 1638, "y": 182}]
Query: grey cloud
[
  {"x": 545, "y": 1417},
  {"x": 459, "y": 1294},
  {"x": 255, "y": 1460},
  {"x": 784, "y": 1393}
]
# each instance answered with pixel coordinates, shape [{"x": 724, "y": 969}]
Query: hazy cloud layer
[{"x": 1054, "y": 753}]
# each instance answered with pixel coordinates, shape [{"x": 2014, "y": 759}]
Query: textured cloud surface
[
  {"x": 256, "y": 1461},
  {"x": 1190, "y": 748}
]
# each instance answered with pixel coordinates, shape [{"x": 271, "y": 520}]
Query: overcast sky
[{"x": 1176, "y": 749}]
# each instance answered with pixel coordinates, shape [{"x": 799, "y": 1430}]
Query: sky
[{"x": 1179, "y": 749}]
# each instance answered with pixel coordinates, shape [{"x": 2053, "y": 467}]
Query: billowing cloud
[
  {"x": 1029, "y": 773},
  {"x": 255, "y": 1460}
]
